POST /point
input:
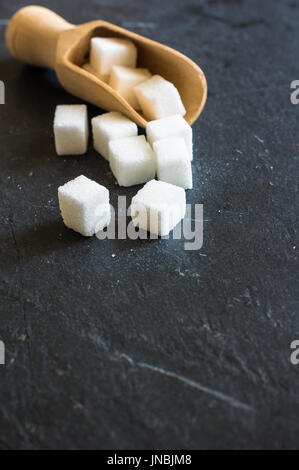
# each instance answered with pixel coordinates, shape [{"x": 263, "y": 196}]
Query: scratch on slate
[
  {"x": 128, "y": 358},
  {"x": 247, "y": 92},
  {"x": 239, "y": 25},
  {"x": 140, "y": 24},
  {"x": 120, "y": 356},
  {"x": 196, "y": 385},
  {"x": 191, "y": 383},
  {"x": 15, "y": 240},
  {"x": 22, "y": 306},
  {"x": 197, "y": 220},
  {"x": 258, "y": 138}
]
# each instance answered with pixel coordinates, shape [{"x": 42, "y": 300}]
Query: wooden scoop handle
[{"x": 32, "y": 34}]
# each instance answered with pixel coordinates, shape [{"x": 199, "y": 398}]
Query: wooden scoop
[{"x": 38, "y": 36}]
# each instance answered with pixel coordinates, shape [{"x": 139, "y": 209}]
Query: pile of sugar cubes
[
  {"x": 113, "y": 60},
  {"x": 164, "y": 153}
]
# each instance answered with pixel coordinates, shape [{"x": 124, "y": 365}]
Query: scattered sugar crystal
[
  {"x": 111, "y": 126},
  {"x": 71, "y": 129},
  {"x": 106, "y": 52},
  {"x": 173, "y": 162},
  {"x": 131, "y": 160},
  {"x": 84, "y": 205},
  {"x": 172, "y": 126},
  {"x": 159, "y": 98},
  {"x": 123, "y": 80},
  {"x": 158, "y": 207}
]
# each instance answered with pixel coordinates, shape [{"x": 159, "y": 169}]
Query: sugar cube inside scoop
[
  {"x": 123, "y": 80},
  {"x": 89, "y": 69},
  {"x": 106, "y": 52},
  {"x": 172, "y": 126},
  {"x": 71, "y": 129},
  {"x": 110, "y": 126},
  {"x": 84, "y": 205},
  {"x": 131, "y": 160},
  {"x": 173, "y": 162},
  {"x": 158, "y": 207},
  {"x": 159, "y": 98}
]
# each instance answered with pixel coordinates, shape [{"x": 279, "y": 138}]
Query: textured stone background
[{"x": 157, "y": 347}]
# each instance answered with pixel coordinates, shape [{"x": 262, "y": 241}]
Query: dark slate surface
[{"x": 157, "y": 347}]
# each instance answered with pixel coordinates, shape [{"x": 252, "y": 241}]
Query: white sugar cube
[
  {"x": 131, "y": 160},
  {"x": 159, "y": 98},
  {"x": 106, "y": 52},
  {"x": 158, "y": 207},
  {"x": 173, "y": 162},
  {"x": 110, "y": 126},
  {"x": 172, "y": 126},
  {"x": 123, "y": 80},
  {"x": 89, "y": 69},
  {"x": 71, "y": 129},
  {"x": 84, "y": 205}
]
